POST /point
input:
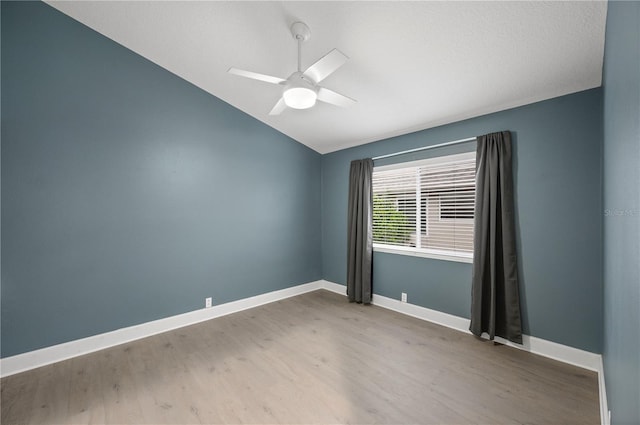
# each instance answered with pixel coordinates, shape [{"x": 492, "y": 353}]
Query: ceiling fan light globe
[{"x": 299, "y": 97}]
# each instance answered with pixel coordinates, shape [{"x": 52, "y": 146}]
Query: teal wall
[
  {"x": 130, "y": 195},
  {"x": 557, "y": 147},
  {"x": 621, "y": 349}
]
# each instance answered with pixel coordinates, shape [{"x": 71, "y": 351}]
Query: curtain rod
[{"x": 424, "y": 148}]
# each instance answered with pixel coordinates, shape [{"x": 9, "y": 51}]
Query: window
[{"x": 426, "y": 207}]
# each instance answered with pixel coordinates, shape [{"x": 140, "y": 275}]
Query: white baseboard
[
  {"x": 563, "y": 353},
  {"x": 333, "y": 287},
  {"x": 44, "y": 356},
  {"x": 433, "y": 316},
  {"x": 605, "y": 417},
  {"x": 542, "y": 347}
]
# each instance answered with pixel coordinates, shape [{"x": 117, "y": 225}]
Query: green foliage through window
[{"x": 390, "y": 226}]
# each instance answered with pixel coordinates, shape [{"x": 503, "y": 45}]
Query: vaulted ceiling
[{"x": 413, "y": 65}]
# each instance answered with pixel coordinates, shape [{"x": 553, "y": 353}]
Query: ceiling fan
[{"x": 301, "y": 89}]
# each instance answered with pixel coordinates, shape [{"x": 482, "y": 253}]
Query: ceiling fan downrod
[{"x": 301, "y": 33}]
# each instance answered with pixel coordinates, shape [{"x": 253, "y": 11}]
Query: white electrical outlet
[
  {"x": 207, "y": 302},
  {"x": 403, "y": 298}
]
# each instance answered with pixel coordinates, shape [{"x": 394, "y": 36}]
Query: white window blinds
[{"x": 426, "y": 206}]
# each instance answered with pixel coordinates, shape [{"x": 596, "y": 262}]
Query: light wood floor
[{"x": 314, "y": 358}]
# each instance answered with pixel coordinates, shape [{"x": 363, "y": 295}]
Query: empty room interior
[{"x": 320, "y": 212}]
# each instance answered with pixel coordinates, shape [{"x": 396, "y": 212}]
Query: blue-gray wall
[
  {"x": 621, "y": 350},
  {"x": 130, "y": 195},
  {"x": 557, "y": 146}
]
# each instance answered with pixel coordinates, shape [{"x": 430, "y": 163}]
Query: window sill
[{"x": 433, "y": 254}]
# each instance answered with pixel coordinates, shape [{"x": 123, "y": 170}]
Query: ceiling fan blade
[
  {"x": 256, "y": 76},
  {"x": 280, "y": 106},
  {"x": 329, "y": 96},
  {"x": 325, "y": 66}
]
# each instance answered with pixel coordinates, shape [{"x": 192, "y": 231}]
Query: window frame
[{"x": 432, "y": 253}]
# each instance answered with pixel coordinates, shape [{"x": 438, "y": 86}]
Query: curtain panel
[
  {"x": 360, "y": 232},
  {"x": 495, "y": 299}
]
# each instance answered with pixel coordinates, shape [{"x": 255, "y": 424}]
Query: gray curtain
[
  {"x": 495, "y": 300},
  {"x": 360, "y": 232}
]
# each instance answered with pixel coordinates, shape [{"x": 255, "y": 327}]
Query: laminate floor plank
[
  {"x": 310, "y": 359},
  {"x": 50, "y": 401},
  {"x": 119, "y": 391},
  {"x": 17, "y": 391},
  {"x": 86, "y": 404}
]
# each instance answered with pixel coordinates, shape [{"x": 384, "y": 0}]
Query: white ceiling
[{"x": 413, "y": 65}]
